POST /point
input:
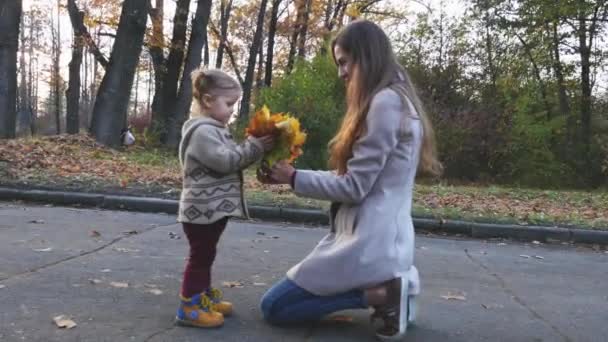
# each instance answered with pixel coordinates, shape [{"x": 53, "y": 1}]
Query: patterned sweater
[{"x": 212, "y": 164}]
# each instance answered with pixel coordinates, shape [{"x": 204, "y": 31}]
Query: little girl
[{"x": 212, "y": 164}]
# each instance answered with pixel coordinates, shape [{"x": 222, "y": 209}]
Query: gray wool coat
[{"x": 372, "y": 236}]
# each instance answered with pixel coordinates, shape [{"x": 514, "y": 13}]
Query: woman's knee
[{"x": 267, "y": 306}]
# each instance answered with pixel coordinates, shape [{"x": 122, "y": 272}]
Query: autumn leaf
[
  {"x": 454, "y": 296},
  {"x": 63, "y": 322}
]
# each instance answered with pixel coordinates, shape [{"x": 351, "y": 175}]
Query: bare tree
[
  {"x": 253, "y": 52},
  {"x": 112, "y": 100},
  {"x": 10, "y": 17},
  {"x": 198, "y": 38},
  {"x": 73, "y": 92},
  {"x": 225, "y": 9},
  {"x": 272, "y": 30}
]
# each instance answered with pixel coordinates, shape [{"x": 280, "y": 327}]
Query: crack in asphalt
[
  {"x": 516, "y": 298},
  {"x": 73, "y": 257}
]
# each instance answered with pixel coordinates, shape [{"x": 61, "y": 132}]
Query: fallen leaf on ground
[
  {"x": 37, "y": 221},
  {"x": 232, "y": 284},
  {"x": 107, "y": 270},
  {"x": 94, "y": 233},
  {"x": 454, "y": 296},
  {"x": 536, "y": 242},
  {"x": 261, "y": 233},
  {"x": 276, "y": 237},
  {"x": 491, "y": 306},
  {"x": 125, "y": 250},
  {"x": 95, "y": 281},
  {"x": 63, "y": 322},
  {"x": 155, "y": 292},
  {"x": 525, "y": 256},
  {"x": 48, "y": 249},
  {"x": 119, "y": 285},
  {"x": 539, "y": 257},
  {"x": 131, "y": 232}
]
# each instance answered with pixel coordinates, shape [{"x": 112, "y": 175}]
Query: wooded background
[{"x": 516, "y": 89}]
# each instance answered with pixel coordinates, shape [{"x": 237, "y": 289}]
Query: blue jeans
[{"x": 286, "y": 302}]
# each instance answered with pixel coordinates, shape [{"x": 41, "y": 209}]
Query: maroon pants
[{"x": 203, "y": 239}]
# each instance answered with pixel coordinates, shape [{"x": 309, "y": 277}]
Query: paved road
[{"x": 56, "y": 261}]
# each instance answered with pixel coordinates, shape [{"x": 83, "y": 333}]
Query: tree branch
[
  {"x": 82, "y": 31},
  {"x": 228, "y": 48}
]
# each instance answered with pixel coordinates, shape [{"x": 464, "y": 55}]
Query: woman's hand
[{"x": 281, "y": 173}]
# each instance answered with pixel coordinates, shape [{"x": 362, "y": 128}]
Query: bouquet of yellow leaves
[{"x": 285, "y": 128}]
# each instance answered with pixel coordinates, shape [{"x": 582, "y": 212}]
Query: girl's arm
[{"x": 207, "y": 148}]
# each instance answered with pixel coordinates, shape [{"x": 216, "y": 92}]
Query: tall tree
[
  {"x": 253, "y": 52},
  {"x": 172, "y": 70},
  {"x": 272, "y": 31},
  {"x": 591, "y": 15},
  {"x": 113, "y": 96},
  {"x": 56, "y": 77},
  {"x": 225, "y": 9},
  {"x": 23, "y": 115},
  {"x": 73, "y": 92},
  {"x": 302, "y": 35},
  {"x": 10, "y": 17},
  {"x": 156, "y": 48},
  {"x": 198, "y": 38},
  {"x": 297, "y": 29}
]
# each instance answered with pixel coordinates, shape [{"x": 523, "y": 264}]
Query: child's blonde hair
[{"x": 212, "y": 82}]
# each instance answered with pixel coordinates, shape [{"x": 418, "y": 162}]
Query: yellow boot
[
  {"x": 197, "y": 312},
  {"x": 217, "y": 304}
]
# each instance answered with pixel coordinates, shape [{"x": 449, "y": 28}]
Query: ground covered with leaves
[{"x": 78, "y": 163}]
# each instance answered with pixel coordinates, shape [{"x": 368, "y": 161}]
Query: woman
[{"x": 367, "y": 258}]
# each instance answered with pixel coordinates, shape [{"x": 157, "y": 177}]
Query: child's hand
[{"x": 268, "y": 141}]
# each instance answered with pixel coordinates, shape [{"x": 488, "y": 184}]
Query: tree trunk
[
  {"x": 304, "y": 29},
  {"x": 10, "y": 17},
  {"x": 57, "y": 72},
  {"x": 225, "y": 9},
  {"x": 136, "y": 99},
  {"x": 73, "y": 92},
  {"x": 159, "y": 121},
  {"x": 585, "y": 54},
  {"x": 149, "y": 86},
  {"x": 272, "y": 31},
  {"x": 293, "y": 43},
  {"x": 23, "y": 116},
  {"x": 259, "y": 79},
  {"x": 253, "y": 52},
  {"x": 564, "y": 106},
  {"x": 174, "y": 67},
  {"x": 206, "y": 49},
  {"x": 112, "y": 100},
  {"x": 193, "y": 61}
]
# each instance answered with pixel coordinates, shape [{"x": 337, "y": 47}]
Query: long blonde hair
[
  {"x": 213, "y": 82},
  {"x": 374, "y": 67}
]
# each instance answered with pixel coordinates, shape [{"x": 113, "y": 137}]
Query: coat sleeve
[
  {"x": 370, "y": 154},
  {"x": 207, "y": 147}
]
